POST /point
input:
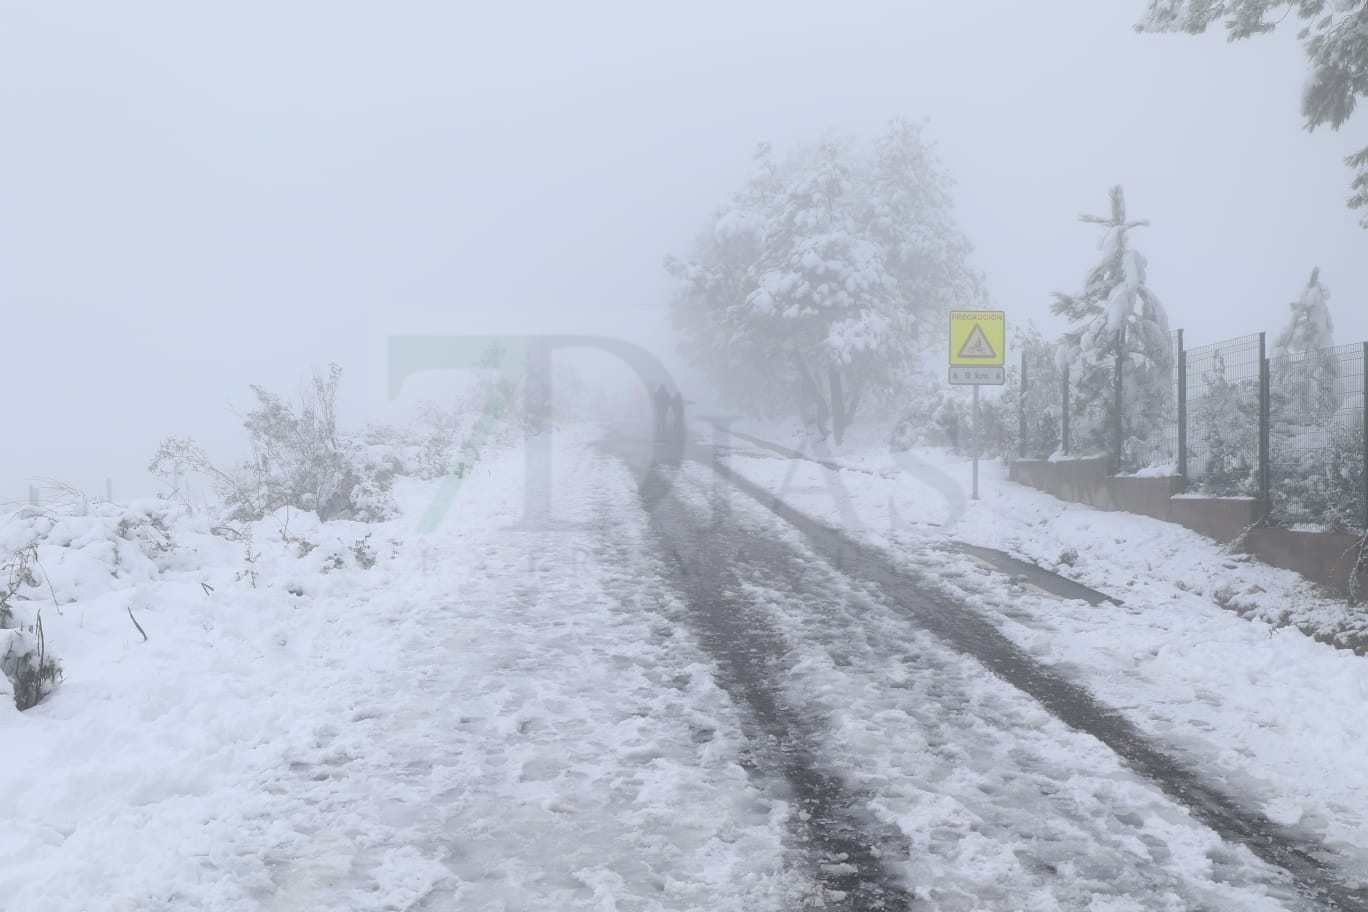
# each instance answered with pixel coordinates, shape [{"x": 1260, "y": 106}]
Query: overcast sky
[{"x": 196, "y": 196}]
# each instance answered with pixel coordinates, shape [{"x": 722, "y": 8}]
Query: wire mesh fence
[
  {"x": 1150, "y": 415},
  {"x": 1222, "y": 411},
  {"x": 1287, "y": 430},
  {"x": 1071, "y": 415}
]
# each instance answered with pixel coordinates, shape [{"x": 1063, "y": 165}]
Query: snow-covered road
[
  {"x": 649, "y": 698},
  {"x": 970, "y": 794}
]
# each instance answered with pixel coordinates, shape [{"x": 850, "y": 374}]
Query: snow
[
  {"x": 505, "y": 713},
  {"x": 490, "y": 716},
  {"x": 1165, "y": 470},
  {"x": 1200, "y": 654}
]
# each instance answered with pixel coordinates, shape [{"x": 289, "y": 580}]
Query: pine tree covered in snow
[
  {"x": 1305, "y": 370},
  {"x": 1119, "y": 326},
  {"x": 1334, "y": 36},
  {"x": 814, "y": 289},
  {"x": 1313, "y": 482}
]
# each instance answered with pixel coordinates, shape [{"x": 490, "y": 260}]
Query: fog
[{"x": 199, "y": 197}]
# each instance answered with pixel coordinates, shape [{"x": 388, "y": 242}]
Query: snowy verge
[{"x": 500, "y": 713}]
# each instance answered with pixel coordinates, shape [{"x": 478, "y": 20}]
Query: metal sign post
[
  {"x": 974, "y": 495},
  {"x": 978, "y": 348}
]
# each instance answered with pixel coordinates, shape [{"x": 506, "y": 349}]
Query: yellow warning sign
[
  {"x": 977, "y": 338},
  {"x": 977, "y": 345}
]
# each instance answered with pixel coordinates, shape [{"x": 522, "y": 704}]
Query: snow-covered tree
[
  {"x": 910, "y": 216},
  {"x": 1334, "y": 35},
  {"x": 813, "y": 289},
  {"x": 714, "y": 283},
  {"x": 1307, "y": 448},
  {"x": 1038, "y": 394},
  {"x": 1305, "y": 370},
  {"x": 1225, "y": 419},
  {"x": 1119, "y": 333}
]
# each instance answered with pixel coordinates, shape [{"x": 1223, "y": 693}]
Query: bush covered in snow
[
  {"x": 1325, "y": 484},
  {"x": 24, "y": 661},
  {"x": 99, "y": 555},
  {"x": 99, "y": 547},
  {"x": 300, "y": 506},
  {"x": 937, "y": 415},
  {"x": 297, "y": 458}
]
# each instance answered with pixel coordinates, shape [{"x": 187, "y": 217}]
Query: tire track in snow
[
  {"x": 1310, "y": 864},
  {"x": 841, "y": 845},
  {"x": 981, "y": 796}
]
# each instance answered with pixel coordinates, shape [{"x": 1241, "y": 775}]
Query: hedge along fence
[{"x": 1287, "y": 431}]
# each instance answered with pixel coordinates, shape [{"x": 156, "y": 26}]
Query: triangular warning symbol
[{"x": 977, "y": 345}]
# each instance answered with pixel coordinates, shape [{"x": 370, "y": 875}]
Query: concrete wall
[
  {"x": 1148, "y": 496},
  {"x": 1221, "y": 518},
  {"x": 1077, "y": 480},
  {"x": 1323, "y": 557},
  {"x": 1089, "y": 481}
]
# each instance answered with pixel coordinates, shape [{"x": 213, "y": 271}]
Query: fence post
[
  {"x": 1264, "y": 418},
  {"x": 1021, "y": 411},
  {"x": 1182, "y": 411},
  {"x": 1064, "y": 429},
  {"x": 1363, "y": 441},
  {"x": 33, "y": 495}
]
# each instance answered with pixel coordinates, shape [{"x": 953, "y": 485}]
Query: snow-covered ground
[
  {"x": 1262, "y": 708},
  {"x": 513, "y": 714},
  {"x": 495, "y": 715},
  {"x": 993, "y": 803}
]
